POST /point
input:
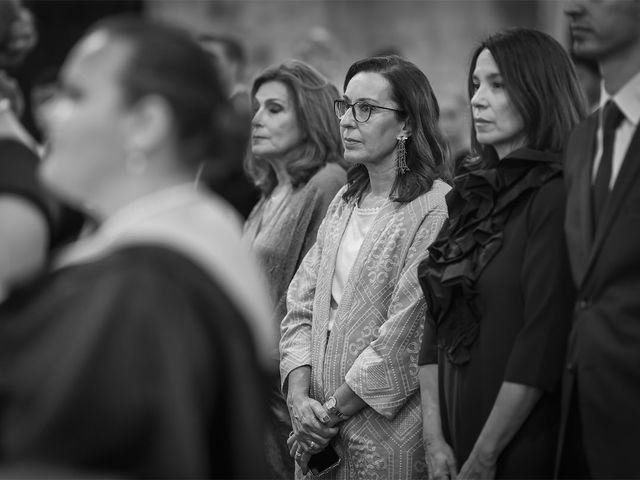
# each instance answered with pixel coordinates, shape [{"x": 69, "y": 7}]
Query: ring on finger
[{"x": 312, "y": 444}]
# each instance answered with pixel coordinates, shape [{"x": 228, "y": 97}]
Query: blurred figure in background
[
  {"x": 143, "y": 352},
  {"x": 229, "y": 58},
  {"x": 320, "y": 49},
  {"x": 455, "y": 123},
  {"x": 26, "y": 219},
  {"x": 350, "y": 340},
  {"x": 386, "y": 51},
  {"x": 295, "y": 160},
  {"x": 497, "y": 280}
]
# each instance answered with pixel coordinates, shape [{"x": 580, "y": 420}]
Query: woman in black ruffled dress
[{"x": 497, "y": 280}]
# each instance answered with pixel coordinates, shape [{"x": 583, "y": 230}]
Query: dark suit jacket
[{"x": 604, "y": 344}]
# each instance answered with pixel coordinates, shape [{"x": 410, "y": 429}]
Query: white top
[
  {"x": 360, "y": 223},
  {"x": 628, "y": 101}
]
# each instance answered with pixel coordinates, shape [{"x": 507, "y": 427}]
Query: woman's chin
[
  {"x": 58, "y": 182},
  {"x": 352, "y": 158}
]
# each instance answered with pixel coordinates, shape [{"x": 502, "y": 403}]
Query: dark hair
[
  {"x": 426, "y": 147},
  {"x": 541, "y": 83},
  {"x": 165, "y": 61},
  {"x": 313, "y": 97},
  {"x": 233, "y": 49}
]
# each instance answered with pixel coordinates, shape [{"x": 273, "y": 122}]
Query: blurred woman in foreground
[{"x": 142, "y": 353}]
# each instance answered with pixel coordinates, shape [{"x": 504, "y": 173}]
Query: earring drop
[{"x": 401, "y": 156}]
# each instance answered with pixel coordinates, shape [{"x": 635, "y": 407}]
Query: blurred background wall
[{"x": 438, "y": 35}]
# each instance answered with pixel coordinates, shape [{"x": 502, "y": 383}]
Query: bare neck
[
  {"x": 618, "y": 69},
  {"x": 280, "y": 169},
  {"x": 281, "y": 162},
  {"x": 115, "y": 196},
  {"x": 381, "y": 179}
]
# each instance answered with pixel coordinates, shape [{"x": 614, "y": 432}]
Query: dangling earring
[
  {"x": 136, "y": 162},
  {"x": 401, "y": 156}
]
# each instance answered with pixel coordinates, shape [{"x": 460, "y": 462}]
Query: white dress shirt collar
[{"x": 627, "y": 99}]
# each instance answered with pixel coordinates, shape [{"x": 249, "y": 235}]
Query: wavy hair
[
  {"x": 542, "y": 84},
  {"x": 313, "y": 98},
  {"x": 426, "y": 148}
]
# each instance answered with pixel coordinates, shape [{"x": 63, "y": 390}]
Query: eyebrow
[
  {"x": 491, "y": 76},
  {"x": 268, "y": 101},
  {"x": 362, "y": 99}
]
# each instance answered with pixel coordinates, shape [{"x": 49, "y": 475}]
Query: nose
[
  {"x": 256, "y": 119},
  {"x": 573, "y": 8},
  {"x": 479, "y": 100},
  {"x": 347, "y": 120}
]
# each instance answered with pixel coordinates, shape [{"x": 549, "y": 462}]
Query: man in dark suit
[{"x": 600, "y": 431}]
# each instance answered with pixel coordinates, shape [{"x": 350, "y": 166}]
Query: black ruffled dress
[{"x": 499, "y": 294}]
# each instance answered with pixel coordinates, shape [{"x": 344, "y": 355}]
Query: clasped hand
[
  {"x": 442, "y": 464},
  {"x": 312, "y": 429}
]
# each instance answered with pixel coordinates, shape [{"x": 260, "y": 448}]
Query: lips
[
  {"x": 481, "y": 121},
  {"x": 350, "y": 140},
  {"x": 580, "y": 29}
]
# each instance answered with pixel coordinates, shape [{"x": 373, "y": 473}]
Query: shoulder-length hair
[
  {"x": 426, "y": 148},
  {"x": 541, "y": 83},
  {"x": 313, "y": 97}
]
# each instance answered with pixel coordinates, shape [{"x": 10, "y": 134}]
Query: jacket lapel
[
  {"x": 626, "y": 178},
  {"x": 579, "y": 220},
  {"x": 585, "y": 187}
]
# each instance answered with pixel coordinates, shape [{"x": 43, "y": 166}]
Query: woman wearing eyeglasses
[
  {"x": 350, "y": 340},
  {"x": 296, "y": 162}
]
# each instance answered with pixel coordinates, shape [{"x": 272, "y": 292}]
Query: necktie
[{"x": 611, "y": 118}]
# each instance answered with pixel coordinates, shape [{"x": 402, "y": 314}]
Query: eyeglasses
[{"x": 361, "y": 110}]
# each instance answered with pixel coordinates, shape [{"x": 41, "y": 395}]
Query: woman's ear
[
  {"x": 406, "y": 130},
  {"x": 149, "y": 124}
]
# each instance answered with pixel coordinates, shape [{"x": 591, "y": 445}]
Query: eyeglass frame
[{"x": 353, "y": 111}]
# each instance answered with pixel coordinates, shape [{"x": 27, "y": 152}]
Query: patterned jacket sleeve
[
  {"x": 314, "y": 205},
  {"x": 385, "y": 374},
  {"x": 295, "y": 328}
]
